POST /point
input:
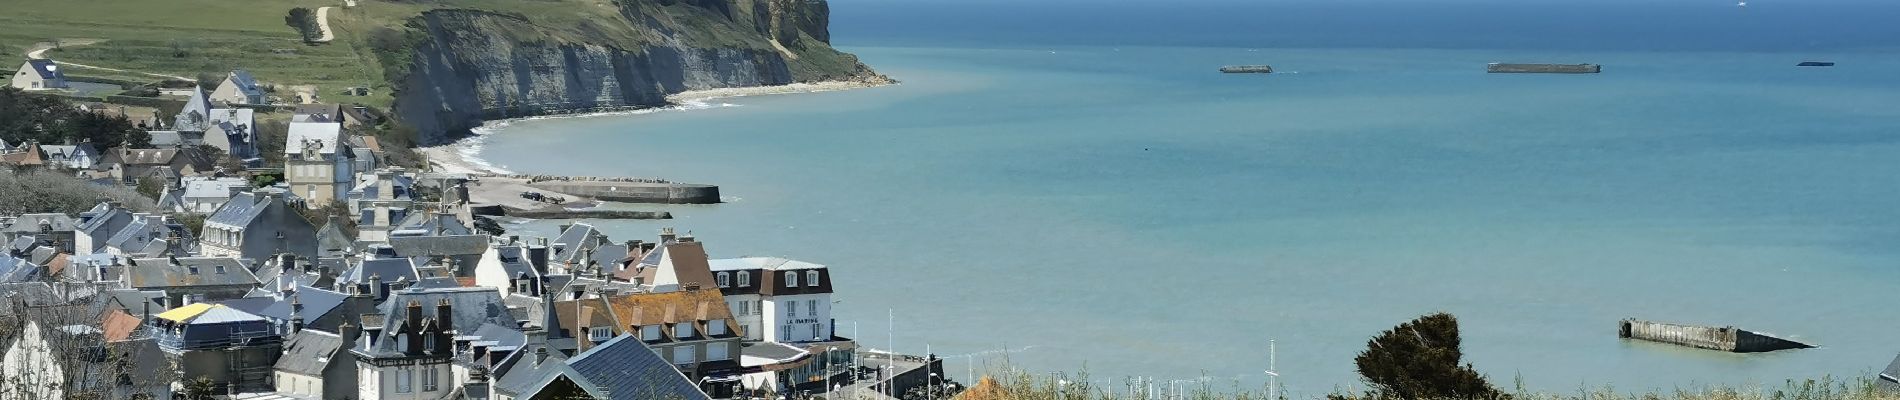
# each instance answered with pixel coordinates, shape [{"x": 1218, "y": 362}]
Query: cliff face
[{"x": 469, "y": 66}]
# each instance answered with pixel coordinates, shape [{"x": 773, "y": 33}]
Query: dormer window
[
  {"x": 428, "y": 342},
  {"x": 220, "y": 269},
  {"x": 191, "y": 270},
  {"x": 650, "y": 333},
  {"x": 716, "y": 328},
  {"x": 791, "y": 279},
  {"x": 745, "y": 279},
  {"x": 725, "y": 280},
  {"x": 811, "y": 278},
  {"x": 600, "y": 334},
  {"x": 683, "y": 329}
]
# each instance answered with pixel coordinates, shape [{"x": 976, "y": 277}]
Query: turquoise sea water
[{"x": 1126, "y": 209}]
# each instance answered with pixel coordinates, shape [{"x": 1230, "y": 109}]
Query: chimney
[
  {"x": 550, "y": 320},
  {"x": 538, "y": 257},
  {"x": 666, "y": 235},
  {"x": 296, "y": 305},
  {"x": 296, "y": 324},
  {"x": 442, "y": 316},
  {"x": 540, "y": 355},
  {"x": 348, "y": 332},
  {"x": 687, "y": 238},
  {"x": 376, "y": 286}
]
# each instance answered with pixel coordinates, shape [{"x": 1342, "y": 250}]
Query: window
[
  {"x": 811, "y": 278},
  {"x": 429, "y": 380},
  {"x": 191, "y": 270},
  {"x": 428, "y": 343},
  {"x": 745, "y": 330},
  {"x": 684, "y": 354},
  {"x": 717, "y": 352},
  {"x": 745, "y": 279},
  {"x": 785, "y": 333},
  {"x": 650, "y": 332},
  {"x": 310, "y": 192},
  {"x": 745, "y": 308},
  {"x": 817, "y": 331},
  {"x": 220, "y": 269},
  {"x": 791, "y": 308},
  {"x": 600, "y": 333},
  {"x": 725, "y": 280},
  {"x": 811, "y": 307},
  {"x": 791, "y": 279},
  {"x": 683, "y": 329},
  {"x": 402, "y": 342},
  {"x": 403, "y": 375},
  {"x": 716, "y": 328}
]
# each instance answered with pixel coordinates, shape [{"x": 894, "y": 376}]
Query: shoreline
[{"x": 461, "y": 156}]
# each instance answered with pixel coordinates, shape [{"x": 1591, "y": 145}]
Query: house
[
  {"x": 204, "y": 195},
  {"x": 622, "y": 368},
  {"x": 78, "y": 156},
  {"x": 197, "y": 279},
  {"x": 304, "y": 307},
  {"x": 1889, "y": 379},
  {"x": 382, "y": 199},
  {"x": 317, "y": 164},
  {"x": 510, "y": 269},
  {"x": 53, "y": 229},
  {"x": 98, "y": 224},
  {"x": 333, "y": 241},
  {"x": 456, "y": 255},
  {"x": 676, "y": 262},
  {"x": 26, "y": 155},
  {"x": 257, "y": 226},
  {"x": 238, "y": 88},
  {"x": 150, "y": 235},
  {"x": 349, "y": 117},
  {"x": 196, "y": 115},
  {"x": 39, "y": 74},
  {"x": 787, "y": 301},
  {"x": 405, "y": 350},
  {"x": 59, "y": 353},
  {"x": 233, "y": 349},
  {"x": 317, "y": 364},
  {"x": 235, "y": 131},
  {"x": 129, "y": 165},
  {"x": 690, "y": 328}
]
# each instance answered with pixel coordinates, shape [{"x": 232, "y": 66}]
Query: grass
[{"x": 1014, "y": 384}]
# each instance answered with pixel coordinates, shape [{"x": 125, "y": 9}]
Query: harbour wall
[
  {"x": 1726, "y": 338},
  {"x": 1507, "y": 68}
]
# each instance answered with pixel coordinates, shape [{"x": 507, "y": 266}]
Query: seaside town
[{"x": 325, "y": 271}]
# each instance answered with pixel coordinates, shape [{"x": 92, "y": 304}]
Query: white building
[
  {"x": 318, "y": 164},
  {"x": 776, "y": 299},
  {"x": 39, "y": 74}
]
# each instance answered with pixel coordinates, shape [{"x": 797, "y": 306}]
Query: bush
[
  {"x": 305, "y": 22},
  {"x": 1420, "y": 360},
  {"x": 42, "y": 192}
]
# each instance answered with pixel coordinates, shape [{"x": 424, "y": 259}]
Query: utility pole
[
  {"x": 890, "y": 353},
  {"x": 1273, "y": 374}
]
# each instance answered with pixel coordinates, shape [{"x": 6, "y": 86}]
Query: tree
[
  {"x": 151, "y": 187},
  {"x": 42, "y": 192},
  {"x": 1420, "y": 360},
  {"x": 199, "y": 389}
]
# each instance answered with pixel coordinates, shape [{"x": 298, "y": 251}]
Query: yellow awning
[{"x": 182, "y": 314}]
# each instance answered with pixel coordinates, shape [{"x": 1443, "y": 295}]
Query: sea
[{"x": 1070, "y": 186}]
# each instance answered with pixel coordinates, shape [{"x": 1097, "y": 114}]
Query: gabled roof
[
  {"x": 308, "y": 352},
  {"x": 240, "y": 210},
  {"x": 641, "y": 309},
  {"x": 1889, "y": 379},
  {"x": 429, "y": 246},
  {"x": 196, "y": 115},
  {"x": 332, "y": 241},
  {"x": 245, "y": 84},
  {"x": 30, "y": 223},
  {"x": 627, "y": 369},
  {"x": 118, "y": 325},
  {"x": 437, "y": 224},
  {"x": 469, "y": 308},
  {"x": 46, "y": 68},
  {"x": 162, "y": 272},
  {"x": 399, "y": 269},
  {"x": 324, "y": 136}
]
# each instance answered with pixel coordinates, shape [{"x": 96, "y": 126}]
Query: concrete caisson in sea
[
  {"x": 1727, "y": 339},
  {"x": 1511, "y": 68},
  {"x": 633, "y": 191},
  {"x": 1815, "y": 64},
  {"x": 1247, "y": 69}
]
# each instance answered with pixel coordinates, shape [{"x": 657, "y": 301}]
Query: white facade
[
  {"x": 299, "y": 384},
  {"x": 30, "y": 366},
  {"x": 747, "y": 310},
  {"x": 406, "y": 382},
  {"x": 800, "y": 318}
]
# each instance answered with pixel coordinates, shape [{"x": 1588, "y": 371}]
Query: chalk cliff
[{"x": 466, "y": 66}]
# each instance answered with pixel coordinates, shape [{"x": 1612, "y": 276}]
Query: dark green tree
[{"x": 1421, "y": 359}]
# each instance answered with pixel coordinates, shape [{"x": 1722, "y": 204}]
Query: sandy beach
[{"x": 458, "y": 157}]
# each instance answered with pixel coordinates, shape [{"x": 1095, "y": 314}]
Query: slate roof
[
  {"x": 308, "y": 352},
  {"x": 139, "y": 235},
  {"x": 515, "y": 263},
  {"x": 385, "y": 269},
  {"x": 316, "y": 303},
  {"x": 425, "y": 246},
  {"x": 218, "y": 188},
  {"x": 240, "y": 210},
  {"x": 524, "y": 376},
  {"x": 100, "y": 216},
  {"x": 436, "y": 224},
  {"x": 1890, "y": 378},
  {"x": 468, "y": 308},
  {"x": 196, "y": 115},
  {"x": 332, "y": 241},
  {"x": 316, "y": 113},
  {"x": 327, "y": 136},
  {"x": 30, "y": 223},
  {"x": 46, "y": 68},
  {"x": 245, "y": 83},
  {"x": 160, "y": 272},
  {"x": 628, "y": 369}
]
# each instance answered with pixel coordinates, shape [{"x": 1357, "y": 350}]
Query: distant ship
[
  {"x": 1514, "y": 68},
  {"x": 1815, "y": 64},
  {"x": 1247, "y": 69}
]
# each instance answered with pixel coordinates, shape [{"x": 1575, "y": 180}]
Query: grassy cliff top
[{"x": 187, "y": 38}]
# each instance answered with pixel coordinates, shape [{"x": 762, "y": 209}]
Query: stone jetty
[
  {"x": 1726, "y": 338},
  {"x": 627, "y": 190}
]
